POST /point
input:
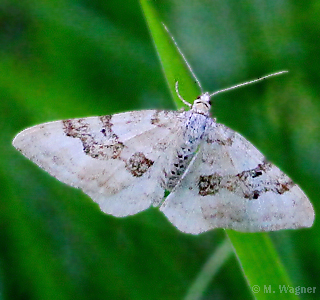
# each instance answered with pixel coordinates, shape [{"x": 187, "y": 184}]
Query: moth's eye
[
  {"x": 198, "y": 97},
  {"x": 210, "y": 103}
]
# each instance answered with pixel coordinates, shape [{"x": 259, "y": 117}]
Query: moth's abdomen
[
  {"x": 195, "y": 127},
  {"x": 180, "y": 164}
]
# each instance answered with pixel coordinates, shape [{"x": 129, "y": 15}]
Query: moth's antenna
[
  {"x": 248, "y": 82},
  {"x": 184, "y": 58},
  {"x": 181, "y": 98}
]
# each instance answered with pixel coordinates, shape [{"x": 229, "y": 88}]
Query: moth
[{"x": 128, "y": 161}]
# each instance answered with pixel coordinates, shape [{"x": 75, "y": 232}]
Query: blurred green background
[{"x": 65, "y": 59}]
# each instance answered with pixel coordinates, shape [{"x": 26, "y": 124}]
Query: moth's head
[{"x": 202, "y": 104}]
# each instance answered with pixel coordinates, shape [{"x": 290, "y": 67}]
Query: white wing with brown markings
[
  {"x": 229, "y": 184},
  {"x": 117, "y": 160}
]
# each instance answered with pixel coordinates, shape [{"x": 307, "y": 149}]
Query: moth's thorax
[{"x": 202, "y": 104}]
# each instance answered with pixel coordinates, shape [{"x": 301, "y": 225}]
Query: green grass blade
[
  {"x": 261, "y": 265},
  {"x": 256, "y": 254},
  {"x": 172, "y": 63},
  {"x": 209, "y": 270}
]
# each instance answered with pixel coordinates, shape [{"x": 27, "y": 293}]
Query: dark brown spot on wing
[
  {"x": 226, "y": 142},
  {"x": 155, "y": 120},
  {"x": 106, "y": 125},
  {"x": 247, "y": 183},
  {"x": 209, "y": 185},
  {"x": 138, "y": 164},
  {"x": 103, "y": 144},
  {"x": 284, "y": 187}
]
